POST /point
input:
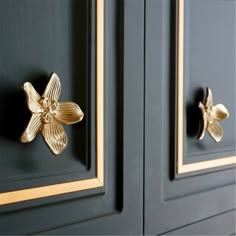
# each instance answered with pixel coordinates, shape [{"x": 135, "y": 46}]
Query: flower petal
[
  {"x": 204, "y": 122},
  {"x": 32, "y": 129},
  {"x": 215, "y": 131},
  {"x": 209, "y": 100},
  {"x": 53, "y": 88},
  {"x": 68, "y": 113},
  {"x": 220, "y": 112},
  {"x": 55, "y": 137},
  {"x": 32, "y": 98}
]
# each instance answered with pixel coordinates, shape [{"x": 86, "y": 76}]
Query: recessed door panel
[
  {"x": 209, "y": 61},
  {"x": 39, "y": 38}
]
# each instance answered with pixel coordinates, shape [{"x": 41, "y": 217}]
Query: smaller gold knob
[{"x": 210, "y": 116}]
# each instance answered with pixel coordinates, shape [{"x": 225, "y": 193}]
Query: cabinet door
[
  {"x": 96, "y": 185},
  {"x": 190, "y": 45}
]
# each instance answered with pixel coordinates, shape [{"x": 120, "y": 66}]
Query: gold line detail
[
  {"x": 180, "y": 82},
  {"x": 75, "y": 186},
  {"x": 207, "y": 164},
  {"x": 181, "y": 167},
  {"x": 100, "y": 91},
  {"x": 47, "y": 191}
]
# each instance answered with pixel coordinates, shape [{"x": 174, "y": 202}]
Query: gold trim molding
[
  {"x": 181, "y": 167},
  {"x": 98, "y": 181}
]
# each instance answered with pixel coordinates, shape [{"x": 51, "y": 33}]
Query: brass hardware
[
  {"x": 210, "y": 116},
  {"x": 182, "y": 167},
  {"x": 48, "y": 115}
]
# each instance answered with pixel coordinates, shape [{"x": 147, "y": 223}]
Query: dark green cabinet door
[
  {"x": 41, "y": 36},
  {"x": 188, "y": 195}
]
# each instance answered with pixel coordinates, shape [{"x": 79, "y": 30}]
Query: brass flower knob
[
  {"x": 48, "y": 115},
  {"x": 210, "y": 116}
]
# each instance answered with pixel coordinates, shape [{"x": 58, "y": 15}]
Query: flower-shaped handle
[
  {"x": 210, "y": 116},
  {"x": 48, "y": 115}
]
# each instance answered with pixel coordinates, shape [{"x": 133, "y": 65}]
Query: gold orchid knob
[
  {"x": 48, "y": 115},
  {"x": 210, "y": 116}
]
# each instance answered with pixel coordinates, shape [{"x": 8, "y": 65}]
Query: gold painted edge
[
  {"x": 75, "y": 186},
  {"x": 180, "y": 67},
  {"x": 100, "y": 91},
  {"x": 47, "y": 191},
  {"x": 181, "y": 167},
  {"x": 207, "y": 164}
]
